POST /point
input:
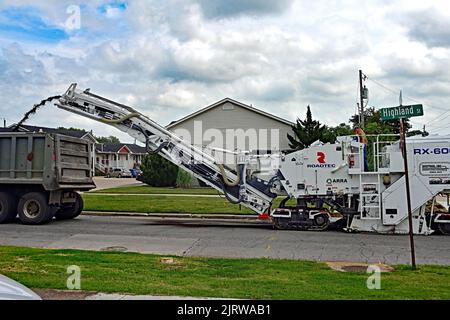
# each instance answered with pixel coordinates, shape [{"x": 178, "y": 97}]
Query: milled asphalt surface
[{"x": 222, "y": 238}]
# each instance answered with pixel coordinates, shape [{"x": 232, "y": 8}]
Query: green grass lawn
[
  {"x": 213, "y": 277},
  {"x": 161, "y": 204},
  {"x": 164, "y": 204},
  {"x": 145, "y": 189}
]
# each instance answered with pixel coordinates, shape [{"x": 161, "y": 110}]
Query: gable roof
[
  {"x": 115, "y": 147},
  {"x": 67, "y": 132},
  {"x": 124, "y": 149},
  {"x": 240, "y": 104}
]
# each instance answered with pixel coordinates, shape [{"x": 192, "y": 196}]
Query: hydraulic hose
[
  {"x": 225, "y": 178},
  {"x": 228, "y": 197},
  {"x": 161, "y": 146},
  {"x": 117, "y": 121}
]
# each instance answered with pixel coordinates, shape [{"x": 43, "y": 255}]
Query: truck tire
[
  {"x": 444, "y": 228},
  {"x": 8, "y": 207},
  {"x": 33, "y": 208},
  {"x": 72, "y": 211}
]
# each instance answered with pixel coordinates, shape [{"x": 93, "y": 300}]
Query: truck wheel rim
[{"x": 31, "y": 209}]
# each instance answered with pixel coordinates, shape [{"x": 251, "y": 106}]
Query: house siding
[{"x": 271, "y": 134}]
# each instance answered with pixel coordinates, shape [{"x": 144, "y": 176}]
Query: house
[
  {"x": 231, "y": 125},
  {"x": 118, "y": 155}
]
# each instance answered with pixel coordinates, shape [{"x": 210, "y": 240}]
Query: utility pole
[
  {"x": 399, "y": 113},
  {"x": 361, "y": 99},
  {"x": 408, "y": 195}
]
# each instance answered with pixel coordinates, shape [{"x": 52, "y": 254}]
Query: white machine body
[
  {"x": 338, "y": 170},
  {"x": 335, "y": 174}
]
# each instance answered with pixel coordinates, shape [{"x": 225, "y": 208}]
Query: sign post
[{"x": 402, "y": 112}]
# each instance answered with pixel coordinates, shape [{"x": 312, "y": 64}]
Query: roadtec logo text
[
  {"x": 432, "y": 151},
  {"x": 321, "y": 162}
]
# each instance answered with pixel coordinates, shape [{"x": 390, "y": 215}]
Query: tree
[
  {"x": 308, "y": 131},
  {"x": 110, "y": 139},
  {"x": 72, "y": 129},
  {"x": 158, "y": 172},
  {"x": 342, "y": 129}
]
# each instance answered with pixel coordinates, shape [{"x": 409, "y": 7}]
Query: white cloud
[{"x": 171, "y": 58}]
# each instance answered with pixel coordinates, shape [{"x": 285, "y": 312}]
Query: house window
[{"x": 228, "y": 106}]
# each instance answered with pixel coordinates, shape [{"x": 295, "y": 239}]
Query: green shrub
[
  {"x": 158, "y": 172},
  {"x": 184, "y": 179}
]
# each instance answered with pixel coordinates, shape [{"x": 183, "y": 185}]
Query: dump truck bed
[{"x": 52, "y": 160}]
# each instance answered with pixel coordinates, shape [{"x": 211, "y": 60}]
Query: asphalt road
[{"x": 222, "y": 238}]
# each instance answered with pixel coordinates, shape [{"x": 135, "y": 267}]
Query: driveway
[{"x": 105, "y": 183}]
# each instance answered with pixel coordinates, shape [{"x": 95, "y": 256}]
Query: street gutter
[{"x": 251, "y": 217}]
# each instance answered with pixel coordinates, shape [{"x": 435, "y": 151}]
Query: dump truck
[{"x": 41, "y": 175}]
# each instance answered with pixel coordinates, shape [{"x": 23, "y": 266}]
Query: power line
[
  {"x": 410, "y": 98},
  {"x": 446, "y": 126},
  {"x": 441, "y": 119},
  {"x": 437, "y": 118},
  {"x": 404, "y": 96}
]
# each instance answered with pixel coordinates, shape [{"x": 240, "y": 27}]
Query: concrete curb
[
  {"x": 155, "y": 195},
  {"x": 247, "y": 217}
]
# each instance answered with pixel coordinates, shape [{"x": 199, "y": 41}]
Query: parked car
[
  {"x": 118, "y": 173},
  {"x": 12, "y": 290}
]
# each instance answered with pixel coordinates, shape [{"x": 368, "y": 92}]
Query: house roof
[
  {"x": 240, "y": 104},
  {"x": 115, "y": 147},
  {"x": 63, "y": 131}
]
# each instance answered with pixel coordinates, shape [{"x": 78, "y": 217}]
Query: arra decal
[{"x": 336, "y": 180}]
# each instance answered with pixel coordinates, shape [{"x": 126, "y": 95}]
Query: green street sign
[{"x": 399, "y": 112}]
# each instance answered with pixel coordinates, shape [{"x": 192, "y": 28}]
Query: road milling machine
[{"x": 350, "y": 184}]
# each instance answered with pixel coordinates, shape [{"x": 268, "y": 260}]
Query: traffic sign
[{"x": 399, "y": 112}]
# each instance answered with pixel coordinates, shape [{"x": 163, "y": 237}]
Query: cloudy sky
[{"x": 170, "y": 58}]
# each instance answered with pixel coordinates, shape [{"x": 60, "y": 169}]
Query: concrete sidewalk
[{"x": 53, "y": 294}]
